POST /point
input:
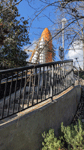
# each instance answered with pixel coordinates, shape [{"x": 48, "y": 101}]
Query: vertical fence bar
[
  {"x": 9, "y": 101},
  {"x": 41, "y": 84},
  {"x": 40, "y": 81},
  {"x": 69, "y": 74},
  {"x": 55, "y": 79},
  {"x": 15, "y": 92},
  {"x": 45, "y": 80},
  {"x": 39, "y": 73},
  {"x": 58, "y": 79},
  {"x": 65, "y": 74},
  {"x": 0, "y": 97},
  {"x": 67, "y": 77},
  {"x": 61, "y": 77},
  {"x": 4, "y": 104},
  {"x": 24, "y": 88},
  {"x": 49, "y": 81},
  {"x": 34, "y": 86},
  {"x": 20, "y": 92},
  {"x": 51, "y": 85},
  {"x": 36, "y": 83},
  {"x": 72, "y": 76},
  {"x": 0, "y": 80},
  {"x": 43, "y": 89},
  {"x": 29, "y": 89}
]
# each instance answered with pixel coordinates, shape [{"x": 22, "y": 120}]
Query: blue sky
[{"x": 40, "y": 23}]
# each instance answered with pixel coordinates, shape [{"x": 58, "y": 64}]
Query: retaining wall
[{"x": 23, "y": 131}]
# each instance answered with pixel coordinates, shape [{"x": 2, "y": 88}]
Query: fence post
[
  {"x": 0, "y": 80},
  {"x": 51, "y": 85},
  {"x": 78, "y": 76},
  {"x": 73, "y": 83}
]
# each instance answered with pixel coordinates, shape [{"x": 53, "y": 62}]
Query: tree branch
[{"x": 10, "y": 6}]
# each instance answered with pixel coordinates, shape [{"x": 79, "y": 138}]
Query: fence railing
[{"x": 21, "y": 88}]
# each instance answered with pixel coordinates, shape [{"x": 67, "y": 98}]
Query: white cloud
[{"x": 76, "y": 51}]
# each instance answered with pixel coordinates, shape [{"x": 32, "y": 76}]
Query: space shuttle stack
[
  {"x": 42, "y": 55},
  {"x": 47, "y": 38}
]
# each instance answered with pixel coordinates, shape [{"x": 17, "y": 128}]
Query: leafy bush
[
  {"x": 50, "y": 141},
  {"x": 72, "y": 138}
]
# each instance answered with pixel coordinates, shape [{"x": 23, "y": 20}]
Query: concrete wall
[{"x": 24, "y": 133}]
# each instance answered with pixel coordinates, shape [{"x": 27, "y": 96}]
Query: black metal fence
[{"x": 21, "y": 88}]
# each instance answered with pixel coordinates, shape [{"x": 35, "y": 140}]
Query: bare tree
[{"x": 72, "y": 10}]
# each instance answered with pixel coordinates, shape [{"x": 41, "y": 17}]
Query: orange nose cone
[{"x": 47, "y": 37}]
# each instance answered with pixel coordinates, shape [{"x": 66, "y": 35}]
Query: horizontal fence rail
[{"x": 23, "y": 87}]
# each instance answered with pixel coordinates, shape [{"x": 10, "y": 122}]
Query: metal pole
[
  {"x": 63, "y": 23},
  {"x": 62, "y": 34}
]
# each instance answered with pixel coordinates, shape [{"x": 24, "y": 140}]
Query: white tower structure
[
  {"x": 61, "y": 49},
  {"x": 63, "y": 23}
]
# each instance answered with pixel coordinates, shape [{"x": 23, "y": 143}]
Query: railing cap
[{"x": 34, "y": 66}]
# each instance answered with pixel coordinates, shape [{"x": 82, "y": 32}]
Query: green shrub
[
  {"x": 72, "y": 138},
  {"x": 50, "y": 141}
]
